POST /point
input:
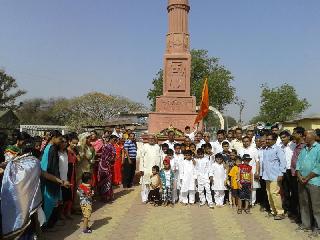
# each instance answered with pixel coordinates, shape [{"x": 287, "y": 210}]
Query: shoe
[
  {"x": 88, "y": 230},
  {"x": 211, "y": 206},
  {"x": 302, "y": 229},
  {"x": 279, "y": 217},
  {"x": 202, "y": 204},
  {"x": 269, "y": 215},
  {"x": 314, "y": 234}
]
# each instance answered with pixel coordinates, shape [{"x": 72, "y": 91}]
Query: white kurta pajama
[
  {"x": 150, "y": 156},
  {"x": 254, "y": 154},
  {"x": 203, "y": 169},
  {"x": 219, "y": 177},
  {"x": 176, "y": 163},
  {"x": 188, "y": 175}
]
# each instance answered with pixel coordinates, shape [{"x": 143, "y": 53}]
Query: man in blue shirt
[
  {"x": 129, "y": 165},
  {"x": 308, "y": 173},
  {"x": 273, "y": 169}
]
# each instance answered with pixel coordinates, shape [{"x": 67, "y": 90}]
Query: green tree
[
  {"x": 93, "y": 109},
  {"x": 280, "y": 104},
  {"x": 9, "y": 92},
  {"x": 39, "y": 111},
  {"x": 221, "y": 92}
]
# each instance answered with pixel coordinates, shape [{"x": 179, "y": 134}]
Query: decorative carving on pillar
[{"x": 176, "y": 75}]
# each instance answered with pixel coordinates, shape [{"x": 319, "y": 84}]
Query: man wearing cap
[{"x": 273, "y": 169}]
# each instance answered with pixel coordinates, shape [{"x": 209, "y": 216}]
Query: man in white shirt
[
  {"x": 198, "y": 140},
  {"x": 237, "y": 142},
  {"x": 217, "y": 145},
  {"x": 275, "y": 129},
  {"x": 288, "y": 148},
  {"x": 171, "y": 140},
  {"x": 190, "y": 134},
  {"x": 150, "y": 156},
  {"x": 117, "y": 132}
]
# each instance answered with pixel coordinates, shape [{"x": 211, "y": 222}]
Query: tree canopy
[
  {"x": 9, "y": 92},
  {"x": 221, "y": 91},
  {"x": 280, "y": 104},
  {"x": 90, "y": 109}
]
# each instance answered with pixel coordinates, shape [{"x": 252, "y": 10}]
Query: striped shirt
[
  {"x": 274, "y": 163},
  {"x": 131, "y": 148}
]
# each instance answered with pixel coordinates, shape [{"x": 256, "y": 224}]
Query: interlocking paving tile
[{"x": 128, "y": 219}]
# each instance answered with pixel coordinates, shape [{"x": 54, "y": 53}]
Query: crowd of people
[
  {"x": 50, "y": 178},
  {"x": 279, "y": 171}
]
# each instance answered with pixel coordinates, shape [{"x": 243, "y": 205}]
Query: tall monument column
[{"x": 175, "y": 107}]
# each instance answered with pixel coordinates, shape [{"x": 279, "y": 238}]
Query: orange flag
[{"x": 204, "y": 107}]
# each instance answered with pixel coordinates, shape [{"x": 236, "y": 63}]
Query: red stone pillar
[{"x": 176, "y": 107}]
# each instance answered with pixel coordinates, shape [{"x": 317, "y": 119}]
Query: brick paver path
[{"x": 128, "y": 219}]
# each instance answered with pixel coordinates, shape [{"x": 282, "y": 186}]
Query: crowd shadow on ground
[{"x": 65, "y": 228}]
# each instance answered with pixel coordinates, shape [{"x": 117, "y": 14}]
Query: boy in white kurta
[
  {"x": 177, "y": 162},
  {"x": 188, "y": 178},
  {"x": 219, "y": 173},
  {"x": 204, "y": 176},
  {"x": 150, "y": 156}
]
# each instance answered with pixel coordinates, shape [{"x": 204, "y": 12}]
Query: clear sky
[{"x": 67, "y": 48}]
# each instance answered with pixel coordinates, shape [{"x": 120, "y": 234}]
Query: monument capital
[{"x": 173, "y": 2}]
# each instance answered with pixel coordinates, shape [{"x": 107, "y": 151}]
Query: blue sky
[{"x": 67, "y": 48}]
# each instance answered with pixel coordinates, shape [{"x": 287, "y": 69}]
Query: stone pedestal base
[{"x": 159, "y": 121}]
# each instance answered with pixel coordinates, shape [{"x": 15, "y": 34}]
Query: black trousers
[
  {"x": 287, "y": 192},
  {"x": 264, "y": 201},
  {"x": 294, "y": 203},
  {"x": 154, "y": 196},
  {"x": 129, "y": 171}
]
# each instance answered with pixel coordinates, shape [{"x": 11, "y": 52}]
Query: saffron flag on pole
[{"x": 204, "y": 107}]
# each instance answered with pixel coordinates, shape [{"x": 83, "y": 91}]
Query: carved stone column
[{"x": 175, "y": 107}]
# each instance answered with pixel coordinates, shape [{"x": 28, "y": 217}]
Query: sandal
[
  {"x": 239, "y": 211},
  {"x": 247, "y": 211}
]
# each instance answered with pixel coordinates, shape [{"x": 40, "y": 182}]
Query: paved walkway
[{"x": 128, "y": 219}]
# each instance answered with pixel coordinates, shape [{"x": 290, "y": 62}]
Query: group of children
[{"x": 220, "y": 178}]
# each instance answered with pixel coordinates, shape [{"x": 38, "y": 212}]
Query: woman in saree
[
  {"x": 87, "y": 154},
  {"x": 73, "y": 159},
  {"x": 117, "y": 173},
  {"x": 51, "y": 191},
  {"x": 105, "y": 170},
  {"x": 21, "y": 196},
  {"x": 97, "y": 144}
]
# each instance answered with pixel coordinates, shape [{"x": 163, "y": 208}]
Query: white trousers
[
  {"x": 219, "y": 197},
  {"x": 254, "y": 196},
  {"x": 145, "y": 189},
  {"x": 175, "y": 194},
  {"x": 203, "y": 197},
  {"x": 184, "y": 196}
]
